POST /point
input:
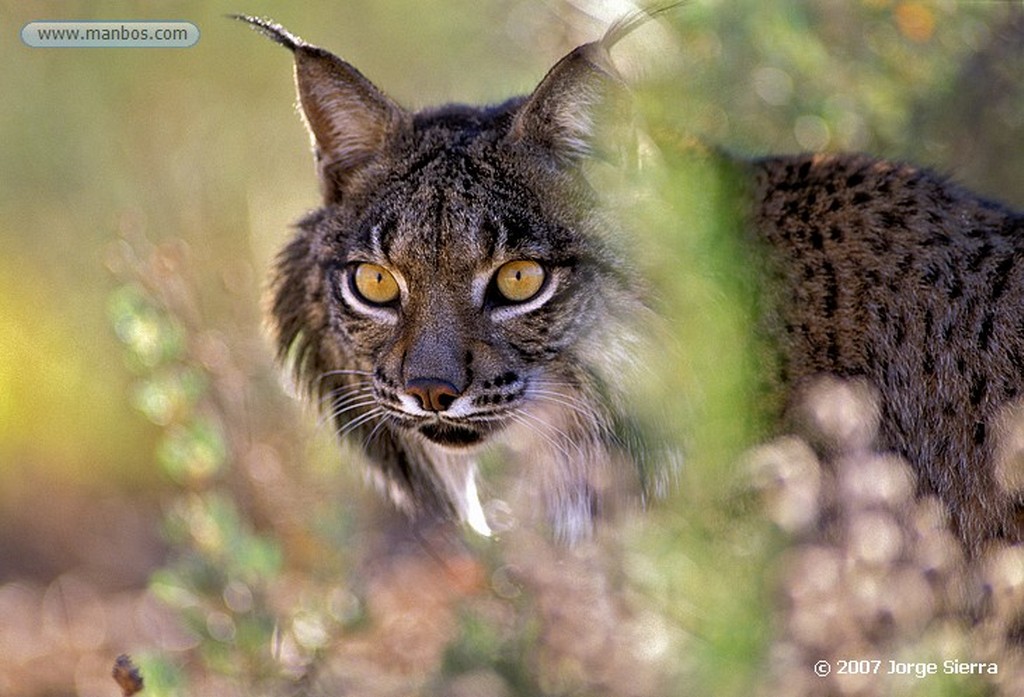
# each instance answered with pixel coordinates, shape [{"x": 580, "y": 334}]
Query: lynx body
[
  {"x": 454, "y": 290},
  {"x": 886, "y": 272}
]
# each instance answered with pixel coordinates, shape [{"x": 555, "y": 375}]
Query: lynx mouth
[{"x": 452, "y": 436}]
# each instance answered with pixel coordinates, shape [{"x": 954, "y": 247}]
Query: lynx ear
[
  {"x": 564, "y": 112},
  {"x": 349, "y": 118}
]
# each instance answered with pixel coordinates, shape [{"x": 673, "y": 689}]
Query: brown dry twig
[{"x": 127, "y": 676}]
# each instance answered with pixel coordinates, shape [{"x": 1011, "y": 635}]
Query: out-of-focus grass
[
  {"x": 706, "y": 383},
  {"x": 201, "y": 149}
]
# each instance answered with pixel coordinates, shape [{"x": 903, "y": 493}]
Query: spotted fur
[{"x": 886, "y": 272}]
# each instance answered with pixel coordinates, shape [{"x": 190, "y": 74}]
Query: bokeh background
[{"x": 160, "y": 494}]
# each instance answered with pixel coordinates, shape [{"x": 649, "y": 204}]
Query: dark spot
[
  {"x": 978, "y": 257},
  {"x": 860, "y": 198},
  {"x": 833, "y": 351},
  {"x": 817, "y": 241},
  {"x": 956, "y": 289},
  {"x": 873, "y": 277},
  {"x": 979, "y": 433},
  {"x": 831, "y": 289},
  {"x": 1002, "y": 277},
  {"x": 978, "y": 387},
  {"x": 879, "y": 244},
  {"x": 871, "y": 354},
  {"x": 985, "y": 336},
  {"x": 891, "y": 219},
  {"x": 854, "y": 180}
]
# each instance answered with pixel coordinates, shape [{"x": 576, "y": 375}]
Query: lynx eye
[
  {"x": 374, "y": 284},
  {"x": 518, "y": 281}
]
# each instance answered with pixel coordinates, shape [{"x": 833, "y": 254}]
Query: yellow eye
[
  {"x": 375, "y": 284},
  {"x": 519, "y": 281}
]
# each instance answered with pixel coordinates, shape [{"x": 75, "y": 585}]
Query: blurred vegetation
[{"x": 142, "y": 196}]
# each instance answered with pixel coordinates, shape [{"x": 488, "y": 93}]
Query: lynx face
[
  {"x": 454, "y": 289},
  {"x": 458, "y": 295}
]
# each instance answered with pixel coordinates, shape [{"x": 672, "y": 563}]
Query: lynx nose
[{"x": 433, "y": 394}]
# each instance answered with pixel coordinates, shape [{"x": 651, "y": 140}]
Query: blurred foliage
[
  {"x": 146, "y": 191},
  {"x": 217, "y": 578}
]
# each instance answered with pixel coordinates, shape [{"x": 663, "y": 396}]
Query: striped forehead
[
  {"x": 443, "y": 232},
  {"x": 452, "y": 208}
]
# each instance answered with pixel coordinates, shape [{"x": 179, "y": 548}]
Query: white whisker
[
  {"x": 368, "y": 440},
  {"x": 360, "y": 420},
  {"x": 565, "y": 389},
  {"x": 587, "y": 415},
  {"x": 340, "y": 397},
  {"x": 335, "y": 413},
  {"x": 545, "y": 431},
  {"x": 574, "y": 403},
  {"x": 337, "y": 395},
  {"x": 331, "y": 417},
  {"x": 331, "y": 373}
]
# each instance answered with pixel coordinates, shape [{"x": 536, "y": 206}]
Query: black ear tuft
[
  {"x": 350, "y": 120},
  {"x": 271, "y": 30}
]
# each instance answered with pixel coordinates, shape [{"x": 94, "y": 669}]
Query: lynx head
[{"x": 454, "y": 285}]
